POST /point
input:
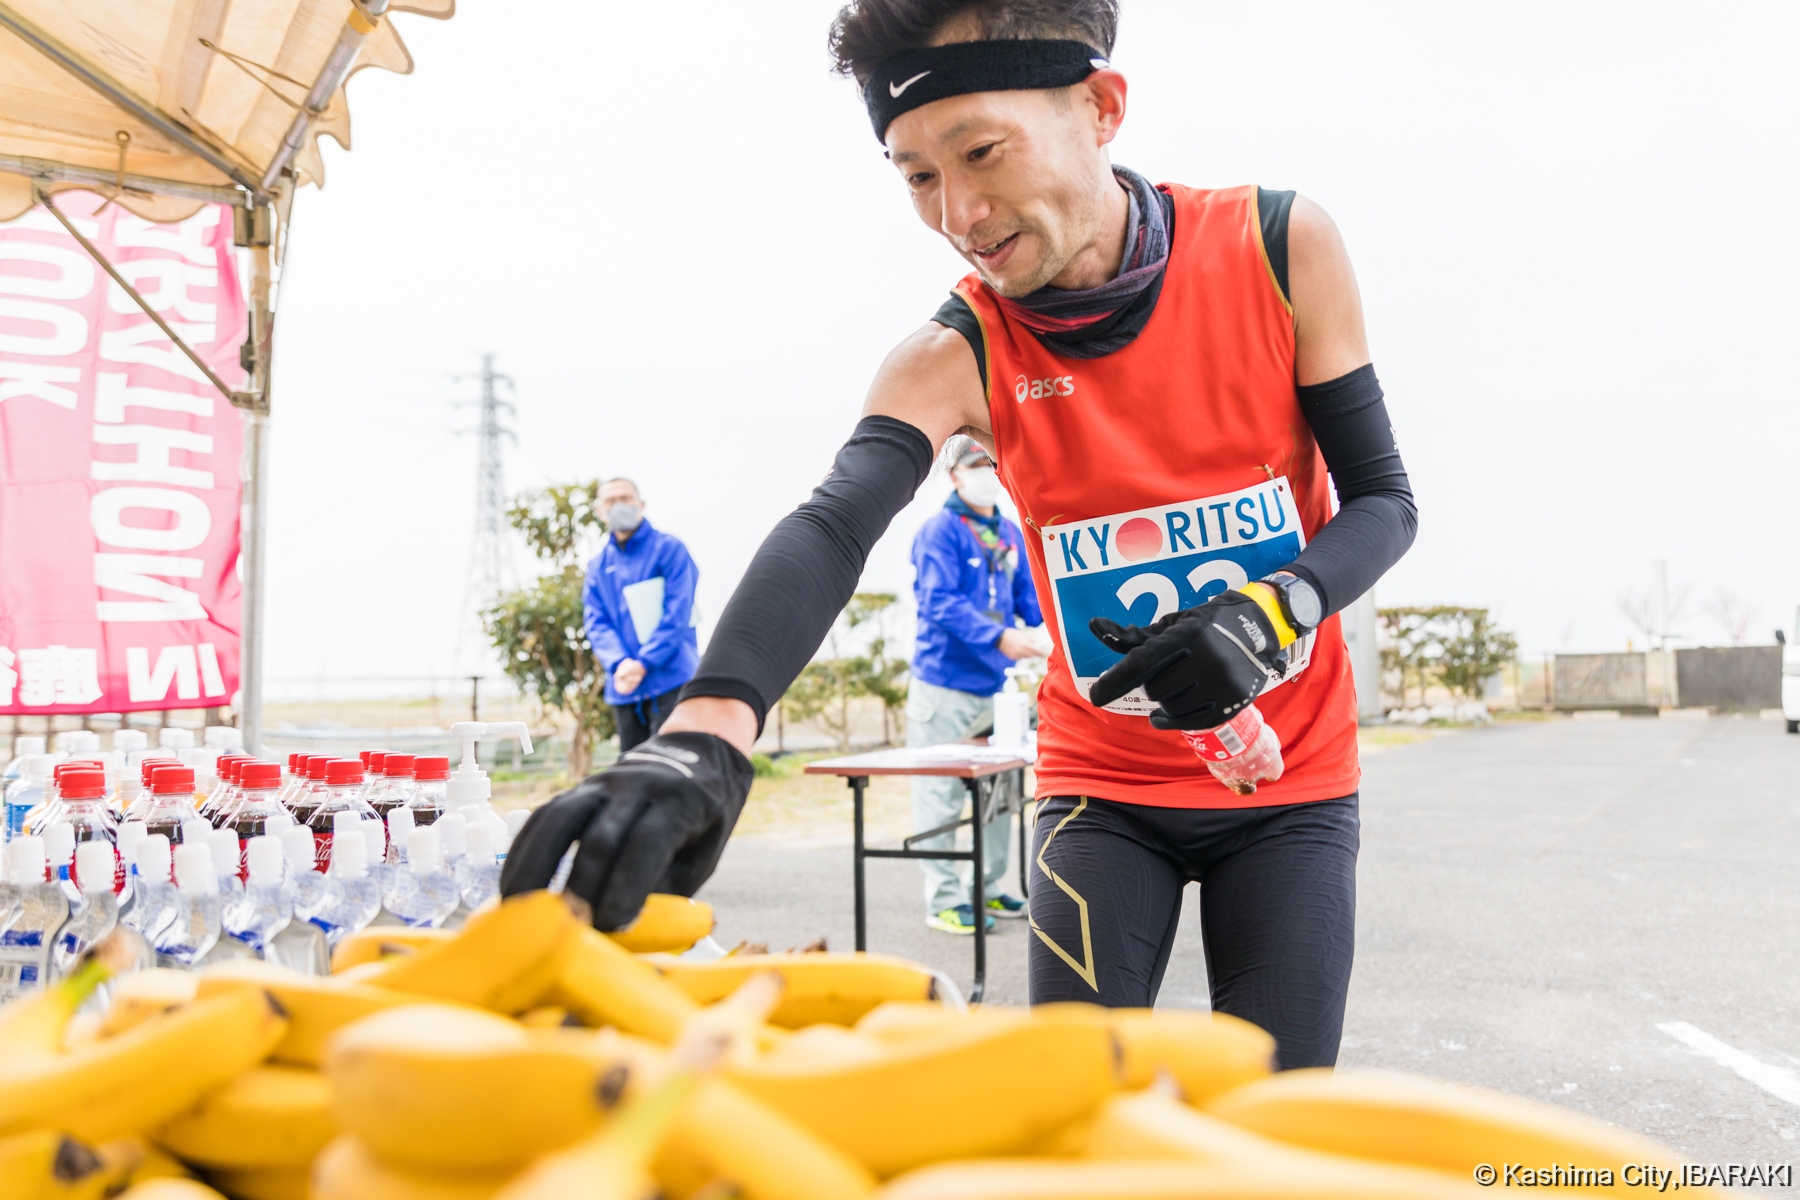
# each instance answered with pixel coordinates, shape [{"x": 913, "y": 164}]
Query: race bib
[{"x": 1137, "y": 567}]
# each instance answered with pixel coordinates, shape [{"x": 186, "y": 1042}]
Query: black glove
[
  {"x": 656, "y": 821},
  {"x": 1202, "y": 665}
]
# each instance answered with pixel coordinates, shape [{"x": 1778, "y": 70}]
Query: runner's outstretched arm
[{"x": 659, "y": 819}]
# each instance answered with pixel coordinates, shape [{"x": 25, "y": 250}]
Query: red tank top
[{"x": 1154, "y": 478}]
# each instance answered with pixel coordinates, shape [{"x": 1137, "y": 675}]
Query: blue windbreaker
[
  {"x": 968, "y": 595},
  {"x": 672, "y": 652}
]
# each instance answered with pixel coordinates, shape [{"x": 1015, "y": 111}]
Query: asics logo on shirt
[{"x": 1036, "y": 389}]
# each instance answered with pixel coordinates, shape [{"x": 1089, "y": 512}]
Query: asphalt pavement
[{"x": 1602, "y": 914}]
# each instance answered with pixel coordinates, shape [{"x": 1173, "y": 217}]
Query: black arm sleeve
[
  {"x": 808, "y": 566},
  {"x": 1376, "y": 517}
]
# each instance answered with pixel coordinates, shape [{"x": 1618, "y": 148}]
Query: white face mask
[
  {"x": 623, "y": 517},
  {"x": 978, "y": 486}
]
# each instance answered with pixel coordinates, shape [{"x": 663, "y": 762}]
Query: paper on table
[{"x": 644, "y": 600}]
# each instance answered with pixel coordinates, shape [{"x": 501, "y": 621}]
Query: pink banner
[{"x": 118, "y": 464}]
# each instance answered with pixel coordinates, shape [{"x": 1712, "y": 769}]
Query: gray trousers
[{"x": 935, "y": 715}]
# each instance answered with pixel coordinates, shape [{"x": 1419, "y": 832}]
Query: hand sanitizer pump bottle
[{"x": 469, "y": 785}]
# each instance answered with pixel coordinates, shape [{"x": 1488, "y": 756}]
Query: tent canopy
[{"x": 184, "y": 102}]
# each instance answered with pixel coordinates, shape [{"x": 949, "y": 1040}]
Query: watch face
[{"x": 1303, "y": 603}]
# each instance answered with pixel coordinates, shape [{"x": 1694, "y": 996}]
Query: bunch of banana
[
  {"x": 820, "y": 988},
  {"x": 668, "y": 924}
]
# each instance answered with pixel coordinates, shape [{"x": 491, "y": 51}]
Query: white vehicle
[{"x": 1790, "y": 676}]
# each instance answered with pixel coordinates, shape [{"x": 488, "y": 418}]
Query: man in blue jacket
[
  {"x": 639, "y": 604},
  {"x": 974, "y": 592}
]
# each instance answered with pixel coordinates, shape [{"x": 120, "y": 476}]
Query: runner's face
[{"x": 1014, "y": 181}]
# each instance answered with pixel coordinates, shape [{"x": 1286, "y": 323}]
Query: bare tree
[
  {"x": 1639, "y": 607},
  {"x": 1733, "y": 614}
]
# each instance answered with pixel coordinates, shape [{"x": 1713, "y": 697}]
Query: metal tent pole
[{"x": 255, "y": 230}]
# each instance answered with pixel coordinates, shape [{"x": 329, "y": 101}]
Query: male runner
[{"x": 1164, "y": 376}]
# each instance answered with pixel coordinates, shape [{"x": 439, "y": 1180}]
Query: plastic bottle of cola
[{"x": 1241, "y": 753}]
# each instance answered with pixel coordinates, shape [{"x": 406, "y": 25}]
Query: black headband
[{"x": 903, "y": 81}]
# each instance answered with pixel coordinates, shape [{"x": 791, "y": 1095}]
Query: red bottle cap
[
  {"x": 150, "y": 765},
  {"x": 228, "y": 766},
  {"x": 429, "y": 766},
  {"x": 372, "y": 759},
  {"x": 259, "y": 775},
  {"x": 166, "y": 781},
  {"x": 401, "y": 765},
  {"x": 315, "y": 765},
  {"x": 294, "y": 761},
  {"x": 81, "y": 764},
  {"x": 82, "y": 782},
  {"x": 342, "y": 771}
]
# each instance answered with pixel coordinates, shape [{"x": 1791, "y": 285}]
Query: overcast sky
[{"x": 675, "y": 228}]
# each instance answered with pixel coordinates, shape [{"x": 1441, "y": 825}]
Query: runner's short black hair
[{"x": 867, "y": 31}]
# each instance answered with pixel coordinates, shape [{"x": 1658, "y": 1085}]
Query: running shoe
[
  {"x": 1006, "y": 908},
  {"x": 958, "y": 920}
]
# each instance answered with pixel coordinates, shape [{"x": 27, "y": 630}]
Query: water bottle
[
  {"x": 227, "y": 856},
  {"x": 198, "y": 918},
  {"x": 297, "y": 845},
  {"x": 515, "y": 821},
  {"x": 131, "y": 836},
  {"x": 255, "y": 919},
  {"x": 352, "y": 898},
  {"x": 422, "y": 893},
  {"x": 154, "y": 905},
  {"x": 26, "y": 946},
  {"x": 27, "y": 791},
  {"x": 83, "y": 795},
  {"x": 1241, "y": 753},
  {"x": 23, "y": 747},
  {"x": 301, "y": 945},
  {"x": 97, "y": 915},
  {"x": 59, "y": 854},
  {"x": 478, "y": 874},
  {"x": 174, "y": 738}
]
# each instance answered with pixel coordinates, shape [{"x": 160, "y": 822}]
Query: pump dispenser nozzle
[{"x": 469, "y": 785}]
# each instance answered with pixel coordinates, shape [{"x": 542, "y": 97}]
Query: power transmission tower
[{"x": 490, "y": 557}]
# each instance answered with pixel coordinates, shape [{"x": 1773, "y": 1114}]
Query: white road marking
[{"x": 1774, "y": 1080}]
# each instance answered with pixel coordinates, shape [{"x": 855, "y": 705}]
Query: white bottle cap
[
  {"x": 424, "y": 850},
  {"x": 194, "y": 869},
  {"x": 451, "y": 828},
  {"x": 225, "y": 850},
  {"x": 349, "y": 818},
  {"x": 173, "y": 738},
  {"x": 281, "y": 818},
  {"x": 84, "y": 741},
  {"x": 153, "y": 858},
  {"x": 94, "y": 863},
  {"x": 349, "y": 854},
  {"x": 297, "y": 844},
  {"x": 59, "y": 844},
  {"x": 265, "y": 854},
  {"x": 131, "y": 834},
  {"x": 223, "y": 737},
  {"x": 400, "y": 823},
  {"x": 40, "y": 767},
  {"x": 26, "y": 859},
  {"x": 478, "y": 840},
  {"x": 195, "y": 830},
  {"x": 375, "y": 833},
  {"x": 515, "y": 821},
  {"x": 128, "y": 740},
  {"x": 27, "y": 745}
]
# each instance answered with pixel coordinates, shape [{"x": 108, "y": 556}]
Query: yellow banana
[
  {"x": 896, "y": 1021},
  {"x": 1398, "y": 1118},
  {"x": 316, "y": 1006},
  {"x": 723, "y": 1133},
  {"x": 47, "y": 1165},
  {"x": 531, "y": 987},
  {"x": 169, "y": 1189},
  {"x": 1205, "y": 1053},
  {"x": 834, "y": 988},
  {"x": 1118, "y": 1179},
  {"x": 131, "y": 1161},
  {"x": 144, "y": 994},
  {"x": 34, "y": 1025},
  {"x": 140, "y": 1079},
  {"x": 666, "y": 924},
  {"x": 435, "y": 1086},
  {"x": 496, "y": 947},
  {"x": 265, "y": 1183},
  {"x": 604, "y": 984},
  {"x": 550, "y": 1016},
  {"x": 1152, "y": 1125},
  {"x": 613, "y": 1163},
  {"x": 379, "y": 942},
  {"x": 892, "y": 1112},
  {"x": 267, "y": 1117},
  {"x": 348, "y": 1170},
  {"x": 825, "y": 1046}
]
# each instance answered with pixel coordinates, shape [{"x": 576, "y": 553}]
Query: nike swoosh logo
[{"x": 894, "y": 89}]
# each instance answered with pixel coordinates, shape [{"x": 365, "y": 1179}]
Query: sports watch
[{"x": 1299, "y": 601}]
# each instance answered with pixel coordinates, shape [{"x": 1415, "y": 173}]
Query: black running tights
[{"x": 1277, "y": 909}]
